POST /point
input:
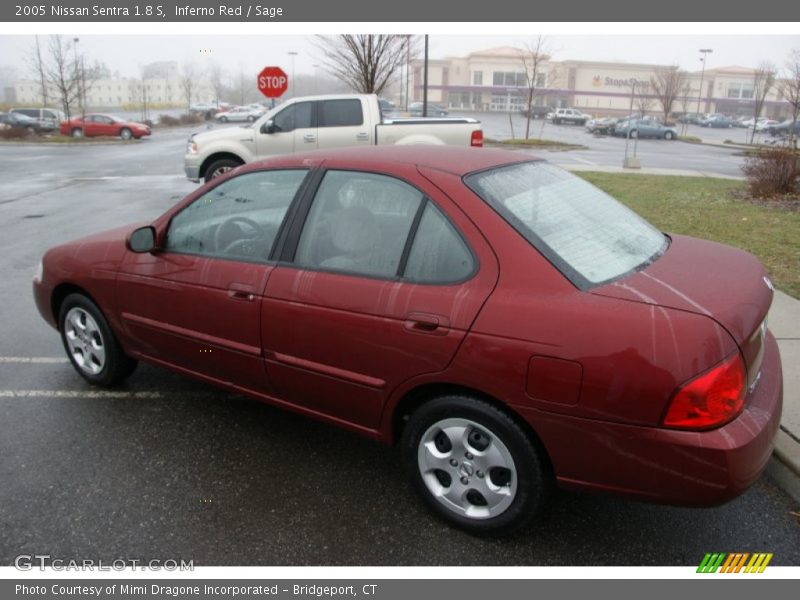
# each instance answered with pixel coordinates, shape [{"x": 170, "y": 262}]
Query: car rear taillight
[
  {"x": 477, "y": 139},
  {"x": 711, "y": 399}
]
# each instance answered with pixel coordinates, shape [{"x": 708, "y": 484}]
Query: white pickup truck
[{"x": 314, "y": 122}]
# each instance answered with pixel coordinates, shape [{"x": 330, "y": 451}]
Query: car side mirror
[
  {"x": 268, "y": 127},
  {"x": 142, "y": 240}
]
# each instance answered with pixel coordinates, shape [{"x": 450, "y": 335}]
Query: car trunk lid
[{"x": 702, "y": 277}]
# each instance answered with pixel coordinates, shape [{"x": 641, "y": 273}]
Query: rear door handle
[
  {"x": 309, "y": 137},
  {"x": 426, "y": 323}
]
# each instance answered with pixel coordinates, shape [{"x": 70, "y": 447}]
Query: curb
[{"x": 784, "y": 465}]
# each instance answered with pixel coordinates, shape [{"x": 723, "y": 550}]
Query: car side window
[
  {"x": 340, "y": 113},
  {"x": 296, "y": 116},
  {"x": 358, "y": 223},
  {"x": 239, "y": 218},
  {"x": 438, "y": 253}
]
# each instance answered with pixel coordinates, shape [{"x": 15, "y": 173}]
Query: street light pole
[
  {"x": 79, "y": 77},
  {"x": 316, "y": 77},
  {"x": 294, "y": 90},
  {"x": 705, "y": 52},
  {"x": 425, "y": 82}
]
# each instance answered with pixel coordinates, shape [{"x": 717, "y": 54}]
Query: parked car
[
  {"x": 572, "y": 116},
  {"x": 386, "y": 106},
  {"x": 509, "y": 325},
  {"x": 311, "y": 122},
  {"x": 47, "y": 119},
  {"x": 767, "y": 125},
  {"x": 538, "y": 112},
  {"x": 240, "y": 114},
  {"x": 18, "y": 120},
  {"x": 691, "y": 118},
  {"x": 203, "y": 107},
  {"x": 784, "y": 128},
  {"x": 434, "y": 110},
  {"x": 717, "y": 122},
  {"x": 96, "y": 124},
  {"x": 645, "y": 128},
  {"x": 604, "y": 125}
]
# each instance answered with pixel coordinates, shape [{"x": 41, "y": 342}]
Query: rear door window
[{"x": 340, "y": 113}]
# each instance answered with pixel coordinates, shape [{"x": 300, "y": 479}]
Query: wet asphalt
[{"x": 176, "y": 469}]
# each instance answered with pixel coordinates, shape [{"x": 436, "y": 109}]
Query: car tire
[
  {"x": 77, "y": 132},
  {"x": 251, "y": 119},
  {"x": 502, "y": 477},
  {"x": 223, "y": 119},
  {"x": 634, "y": 134},
  {"x": 125, "y": 133},
  {"x": 220, "y": 167},
  {"x": 668, "y": 135},
  {"x": 90, "y": 344}
]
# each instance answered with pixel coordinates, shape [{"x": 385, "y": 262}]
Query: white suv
[{"x": 569, "y": 115}]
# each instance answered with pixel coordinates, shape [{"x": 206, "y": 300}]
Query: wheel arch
[
  {"x": 427, "y": 392},
  {"x": 59, "y": 294}
]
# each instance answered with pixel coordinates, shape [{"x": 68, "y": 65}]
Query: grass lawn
[{"x": 703, "y": 207}]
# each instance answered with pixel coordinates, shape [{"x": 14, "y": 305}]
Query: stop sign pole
[{"x": 273, "y": 82}]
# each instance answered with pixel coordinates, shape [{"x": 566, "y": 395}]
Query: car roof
[{"x": 457, "y": 160}]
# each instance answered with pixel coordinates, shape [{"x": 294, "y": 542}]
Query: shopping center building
[{"x": 495, "y": 80}]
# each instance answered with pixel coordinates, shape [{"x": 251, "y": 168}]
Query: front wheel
[
  {"x": 125, "y": 133},
  {"x": 220, "y": 167},
  {"x": 90, "y": 344},
  {"x": 634, "y": 134},
  {"x": 77, "y": 132},
  {"x": 669, "y": 135},
  {"x": 474, "y": 466}
]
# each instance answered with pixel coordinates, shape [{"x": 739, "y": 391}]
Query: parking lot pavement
[{"x": 165, "y": 467}]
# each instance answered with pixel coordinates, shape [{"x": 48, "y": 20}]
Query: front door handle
[
  {"x": 241, "y": 292},
  {"x": 362, "y": 137},
  {"x": 309, "y": 137}
]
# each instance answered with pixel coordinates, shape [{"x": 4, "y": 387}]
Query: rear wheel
[
  {"x": 90, "y": 344},
  {"x": 669, "y": 135},
  {"x": 634, "y": 133},
  {"x": 474, "y": 466},
  {"x": 220, "y": 167}
]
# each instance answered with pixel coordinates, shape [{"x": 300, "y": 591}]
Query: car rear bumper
[{"x": 669, "y": 466}]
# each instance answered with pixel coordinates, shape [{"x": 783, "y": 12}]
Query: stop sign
[{"x": 272, "y": 82}]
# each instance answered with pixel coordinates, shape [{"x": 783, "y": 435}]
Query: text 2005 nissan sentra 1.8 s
[{"x": 509, "y": 325}]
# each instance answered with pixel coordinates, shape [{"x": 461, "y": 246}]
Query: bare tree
[
  {"x": 667, "y": 84},
  {"x": 242, "y": 85},
  {"x": 686, "y": 99},
  {"x": 533, "y": 56},
  {"x": 62, "y": 72},
  {"x": 644, "y": 101},
  {"x": 789, "y": 88},
  {"x": 188, "y": 80},
  {"x": 36, "y": 63},
  {"x": 367, "y": 63},
  {"x": 763, "y": 82},
  {"x": 216, "y": 76}
]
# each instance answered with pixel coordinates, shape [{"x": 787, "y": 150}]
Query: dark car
[
  {"x": 93, "y": 125},
  {"x": 604, "y": 125},
  {"x": 17, "y": 120},
  {"x": 717, "y": 122},
  {"x": 434, "y": 110},
  {"x": 509, "y": 325},
  {"x": 691, "y": 118},
  {"x": 538, "y": 112}
]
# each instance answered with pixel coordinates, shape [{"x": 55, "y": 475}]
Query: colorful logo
[
  {"x": 735, "y": 562},
  {"x": 596, "y": 81}
]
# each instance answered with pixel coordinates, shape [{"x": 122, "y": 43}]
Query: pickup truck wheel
[
  {"x": 220, "y": 167},
  {"x": 90, "y": 344},
  {"x": 474, "y": 466}
]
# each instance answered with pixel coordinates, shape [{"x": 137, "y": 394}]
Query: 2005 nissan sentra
[{"x": 509, "y": 325}]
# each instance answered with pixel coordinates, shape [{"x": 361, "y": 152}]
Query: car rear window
[{"x": 584, "y": 232}]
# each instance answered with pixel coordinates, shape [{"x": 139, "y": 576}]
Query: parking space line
[
  {"x": 33, "y": 359},
  {"x": 91, "y": 394}
]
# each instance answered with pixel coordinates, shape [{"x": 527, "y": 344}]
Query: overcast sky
[{"x": 126, "y": 53}]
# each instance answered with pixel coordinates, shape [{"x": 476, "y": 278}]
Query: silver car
[{"x": 239, "y": 114}]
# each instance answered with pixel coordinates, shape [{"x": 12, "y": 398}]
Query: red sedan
[
  {"x": 93, "y": 125},
  {"x": 511, "y": 326}
]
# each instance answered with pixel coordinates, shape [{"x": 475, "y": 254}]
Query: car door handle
[
  {"x": 426, "y": 323},
  {"x": 241, "y": 292},
  {"x": 309, "y": 137},
  {"x": 362, "y": 137}
]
